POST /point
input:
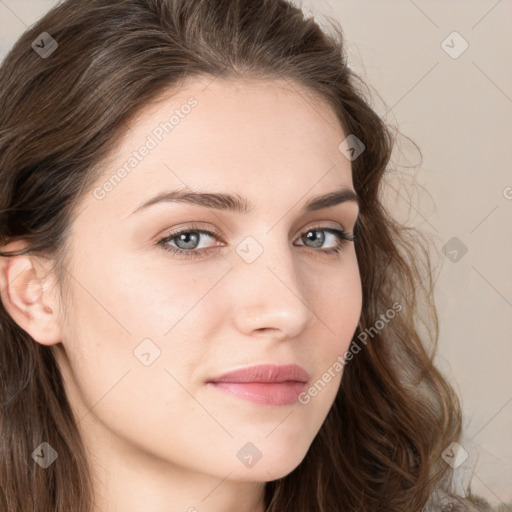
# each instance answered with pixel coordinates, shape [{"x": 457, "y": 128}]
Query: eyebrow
[{"x": 239, "y": 204}]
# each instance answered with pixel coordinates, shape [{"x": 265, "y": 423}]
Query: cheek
[
  {"x": 161, "y": 296},
  {"x": 337, "y": 306},
  {"x": 130, "y": 324},
  {"x": 124, "y": 373},
  {"x": 337, "y": 302},
  {"x": 345, "y": 310}
]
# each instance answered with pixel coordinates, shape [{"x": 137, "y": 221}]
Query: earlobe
[{"x": 24, "y": 298}]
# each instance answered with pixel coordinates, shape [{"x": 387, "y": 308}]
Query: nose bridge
[{"x": 271, "y": 293}]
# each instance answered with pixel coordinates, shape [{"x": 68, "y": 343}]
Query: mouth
[{"x": 265, "y": 384}]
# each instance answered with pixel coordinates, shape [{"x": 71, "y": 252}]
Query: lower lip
[{"x": 264, "y": 393}]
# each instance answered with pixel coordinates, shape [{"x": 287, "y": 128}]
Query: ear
[{"x": 26, "y": 295}]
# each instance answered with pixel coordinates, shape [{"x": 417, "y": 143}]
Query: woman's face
[{"x": 147, "y": 329}]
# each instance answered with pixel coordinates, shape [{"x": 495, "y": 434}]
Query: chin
[{"x": 271, "y": 466}]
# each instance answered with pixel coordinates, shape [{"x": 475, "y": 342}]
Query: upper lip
[{"x": 265, "y": 373}]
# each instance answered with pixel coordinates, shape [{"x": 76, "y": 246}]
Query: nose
[{"x": 271, "y": 294}]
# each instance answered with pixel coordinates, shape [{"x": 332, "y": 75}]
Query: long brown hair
[{"x": 381, "y": 445}]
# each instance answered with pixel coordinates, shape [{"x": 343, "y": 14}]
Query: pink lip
[{"x": 264, "y": 384}]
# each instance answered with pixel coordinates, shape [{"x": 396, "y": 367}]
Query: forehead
[
  {"x": 243, "y": 111},
  {"x": 239, "y": 133}
]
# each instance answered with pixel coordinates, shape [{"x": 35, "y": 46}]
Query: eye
[
  {"x": 186, "y": 241},
  {"x": 316, "y": 236}
]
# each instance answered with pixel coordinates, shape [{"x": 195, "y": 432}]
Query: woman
[{"x": 205, "y": 305}]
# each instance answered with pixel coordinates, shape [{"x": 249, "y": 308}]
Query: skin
[{"x": 158, "y": 438}]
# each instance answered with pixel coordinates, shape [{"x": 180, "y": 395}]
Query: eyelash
[{"x": 343, "y": 237}]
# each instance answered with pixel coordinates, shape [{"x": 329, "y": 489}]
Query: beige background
[{"x": 458, "y": 109}]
